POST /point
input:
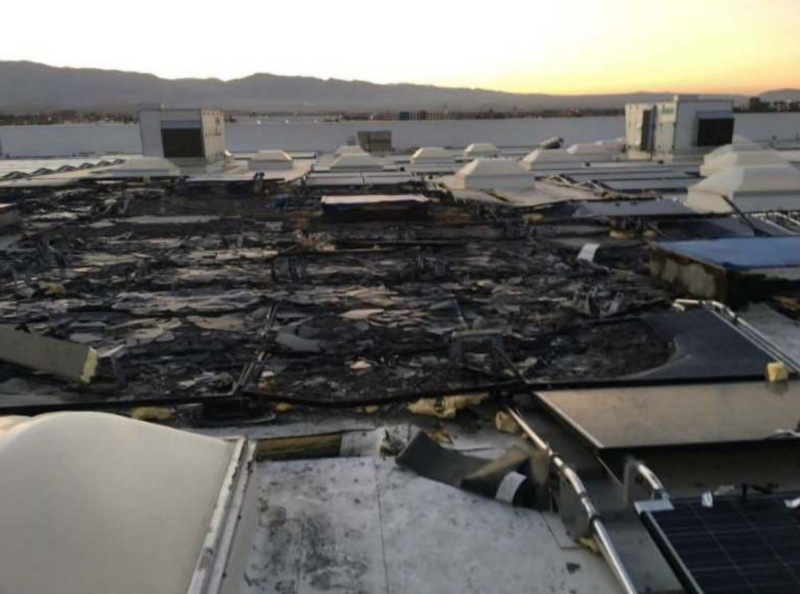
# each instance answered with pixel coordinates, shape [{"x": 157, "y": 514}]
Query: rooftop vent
[
  {"x": 481, "y": 150},
  {"x": 432, "y": 154},
  {"x": 549, "y": 157},
  {"x": 590, "y": 152},
  {"x": 272, "y": 160},
  {"x": 749, "y": 189},
  {"x": 486, "y": 174},
  {"x": 349, "y": 150},
  {"x": 356, "y": 162}
]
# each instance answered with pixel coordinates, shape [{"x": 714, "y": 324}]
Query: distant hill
[
  {"x": 27, "y": 85},
  {"x": 781, "y": 95}
]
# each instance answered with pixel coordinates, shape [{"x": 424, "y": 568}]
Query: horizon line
[{"x": 388, "y": 84}]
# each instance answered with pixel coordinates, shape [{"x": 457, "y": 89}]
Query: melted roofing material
[
  {"x": 740, "y": 253},
  {"x": 633, "y": 417},
  {"x": 703, "y": 346}
]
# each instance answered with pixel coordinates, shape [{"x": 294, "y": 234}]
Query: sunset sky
[{"x": 551, "y": 46}]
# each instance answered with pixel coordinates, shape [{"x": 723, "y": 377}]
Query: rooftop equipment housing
[
  {"x": 375, "y": 141},
  {"x": 687, "y": 125},
  {"x": 187, "y": 136}
]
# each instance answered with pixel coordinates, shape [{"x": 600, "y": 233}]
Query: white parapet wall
[{"x": 91, "y": 139}]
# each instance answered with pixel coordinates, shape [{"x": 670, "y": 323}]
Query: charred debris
[
  {"x": 572, "y": 336},
  {"x": 186, "y": 297}
]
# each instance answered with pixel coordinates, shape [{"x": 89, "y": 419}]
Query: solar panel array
[{"x": 738, "y": 546}]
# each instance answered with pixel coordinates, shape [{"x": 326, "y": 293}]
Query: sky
[{"x": 546, "y": 46}]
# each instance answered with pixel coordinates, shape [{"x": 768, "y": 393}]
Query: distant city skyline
[{"x": 569, "y": 47}]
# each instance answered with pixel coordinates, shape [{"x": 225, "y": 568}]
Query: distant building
[
  {"x": 757, "y": 104},
  {"x": 375, "y": 141},
  {"x": 786, "y": 105},
  {"x": 189, "y": 136},
  {"x": 421, "y": 115},
  {"x": 684, "y": 126}
]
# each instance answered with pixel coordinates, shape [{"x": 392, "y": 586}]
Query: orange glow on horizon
[{"x": 564, "y": 47}]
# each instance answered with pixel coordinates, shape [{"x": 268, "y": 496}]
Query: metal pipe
[
  {"x": 656, "y": 486},
  {"x": 609, "y": 553},
  {"x": 598, "y": 529}
]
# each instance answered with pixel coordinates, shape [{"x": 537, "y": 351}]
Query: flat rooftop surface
[{"x": 365, "y": 525}]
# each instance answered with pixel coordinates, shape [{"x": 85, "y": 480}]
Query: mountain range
[{"x": 26, "y": 86}]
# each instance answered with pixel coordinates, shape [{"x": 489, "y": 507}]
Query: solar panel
[
  {"x": 643, "y": 185},
  {"x": 739, "y": 546}
]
